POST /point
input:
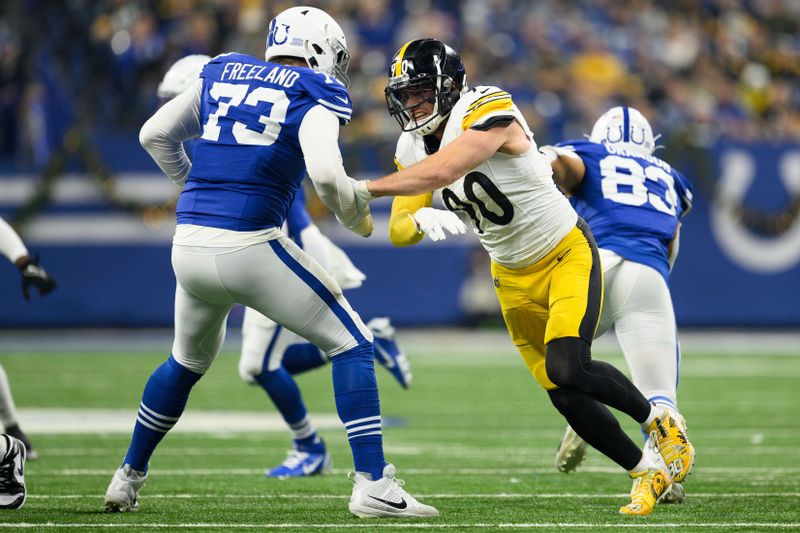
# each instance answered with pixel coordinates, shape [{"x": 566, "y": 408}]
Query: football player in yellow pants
[{"x": 477, "y": 148}]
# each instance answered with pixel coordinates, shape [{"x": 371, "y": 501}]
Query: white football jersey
[{"x": 518, "y": 212}]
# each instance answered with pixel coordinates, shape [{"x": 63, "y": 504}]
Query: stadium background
[
  {"x": 474, "y": 435},
  {"x": 717, "y": 78}
]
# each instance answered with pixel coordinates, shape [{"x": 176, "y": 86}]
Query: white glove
[
  {"x": 362, "y": 225},
  {"x": 434, "y": 222},
  {"x": 331, "y": 258}
]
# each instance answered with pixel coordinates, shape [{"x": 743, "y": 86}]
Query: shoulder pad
[{"x": 329, "y": 92}]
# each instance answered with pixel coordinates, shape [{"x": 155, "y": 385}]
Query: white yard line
[
  {"x": 700, "y": 471},
  {"x": 446, "y": 496},
  {"x": 259, "y": 451},
  {"x": 412, "y": 525}
]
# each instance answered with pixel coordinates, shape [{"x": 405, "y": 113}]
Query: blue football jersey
[
  {"x": 247, "y": 164},
  {"x": 632, "y": 202}
]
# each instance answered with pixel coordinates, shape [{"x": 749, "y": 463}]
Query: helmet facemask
[{"x": 404, "y": 97}]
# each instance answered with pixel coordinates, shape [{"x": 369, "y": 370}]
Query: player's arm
[
  {"x": 163, "y": 134},
  {"x": 403, "y": 228},
  {"x": 469, "y": 150},
  {"x": 32, "y": 274},
  {"x": 318, "y": 136},
  {"x": 568, "y": 167},
  {"x": 11, "y": 245},
  {"x": 674, "y": 246}
]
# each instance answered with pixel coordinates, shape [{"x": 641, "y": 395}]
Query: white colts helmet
[
  {"x": 181, "y": 75},
  {"x": 624, "y": 127},
  {"x": 311, "y": 34}
]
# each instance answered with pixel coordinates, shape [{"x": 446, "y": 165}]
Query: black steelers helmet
[{"x": 429, "y": 68}]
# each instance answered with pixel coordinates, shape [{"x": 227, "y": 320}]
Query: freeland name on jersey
[{"x": 279, "y": 75}]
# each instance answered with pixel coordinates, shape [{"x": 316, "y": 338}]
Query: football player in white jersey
[
  {"x": 477, "y": 148},
  {"x": 272, "y": 355},
  {"x": 33, "y": 275},
  {"x": 634, "y": 204},
  {"x": 260, "y": 125}
]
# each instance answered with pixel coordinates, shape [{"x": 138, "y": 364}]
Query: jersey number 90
[
  {"x": 236, "y": 95},
  {"x": 622, "y": 171},
  {"x": 481, "y": 181}
]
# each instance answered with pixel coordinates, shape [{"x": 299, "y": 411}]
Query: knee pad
[{"x": 566, "y": 360}]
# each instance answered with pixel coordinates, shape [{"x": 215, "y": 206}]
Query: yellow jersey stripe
[
  {"x": 482, "y": 99},
  {"x": 398, "y": 165},
  {"x": 398, "y": 67},
  {"x": 501, "y": 104}
]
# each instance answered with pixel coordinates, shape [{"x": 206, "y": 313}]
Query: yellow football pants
[{"x": 559, "y": 296}]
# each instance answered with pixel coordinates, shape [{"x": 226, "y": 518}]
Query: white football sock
[{"x": 8, "y": 411}]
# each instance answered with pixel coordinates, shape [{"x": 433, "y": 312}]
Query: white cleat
[
  {"x": 12, "y": 474},
  {"x": 385, "y": 498},
  {"x": 571, "y": 452},
  {"x": 123, "y": 491},
  {"x": 676, "y": 494}
]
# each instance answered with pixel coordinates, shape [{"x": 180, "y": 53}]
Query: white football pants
[
  {"x": 260, "y": 334},
  {"x": 277, "y": 279},
  {"x": 637, "y": 303}
]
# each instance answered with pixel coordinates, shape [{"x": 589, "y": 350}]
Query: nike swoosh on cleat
[
  {"x": 308, "y": 469},
  {"x": 397, "y": 505}
]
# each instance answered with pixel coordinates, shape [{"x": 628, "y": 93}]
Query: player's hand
[
  {"x": 364, "y": 227},
  {"x": 34, "y": 275},
  {"x": 434, "y": 222},
  {"x": 362, "y": 196}
]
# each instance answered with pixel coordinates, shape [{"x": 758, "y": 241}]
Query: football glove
[
  {"x": 434, "y": 222},
  {"x": 33, "y": 274}
]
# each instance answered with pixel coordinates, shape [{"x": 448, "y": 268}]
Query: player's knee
[
  {"x": 565, "y": 361},
  {"x": 249, "y": 369},
  {"x": 198, "y": 364}
]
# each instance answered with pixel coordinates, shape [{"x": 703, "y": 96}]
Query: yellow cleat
[
  {"x": 668, "y": 433},
  {"x": 649, "y": 486}
]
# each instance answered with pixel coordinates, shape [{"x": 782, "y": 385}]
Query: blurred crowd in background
[{"x": 714, "y": 68}]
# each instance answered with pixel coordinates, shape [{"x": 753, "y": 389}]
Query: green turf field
[{"x": 474, "y": 437}]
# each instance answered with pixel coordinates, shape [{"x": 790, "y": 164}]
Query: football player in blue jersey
[
  {"x": 270, "y": 354},
  {"x": 33, "y": 275},
  {"x": 633, "y": 203},
  {"x": 261, "y": 126}
]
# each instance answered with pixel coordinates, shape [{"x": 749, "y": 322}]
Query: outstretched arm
[
  {"x": 318, "y": 137},
  {"x": 469, "y": 150},
  {"x": 11, "y": 245}
]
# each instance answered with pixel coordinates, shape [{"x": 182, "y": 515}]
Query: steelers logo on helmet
[{"x": 426, "y": 78}]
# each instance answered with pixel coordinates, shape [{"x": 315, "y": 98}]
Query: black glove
[{"x": 33, "y": 274}]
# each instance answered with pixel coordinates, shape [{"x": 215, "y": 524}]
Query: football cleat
[
  {"x": 385, "y": 498},
  {"x": 123, "y": 491},
  {"x": 668, "y": 434},
  {"x": 17, "y": 433},
  {"x": 12, "y": 475},
  {"x": 571, "y": 452},
  {"x": 387, "y": 351},
  {"x": 675, "y": 494},
  {"x": 301, "y": 464},
  {"x": 649, "y": 486}
]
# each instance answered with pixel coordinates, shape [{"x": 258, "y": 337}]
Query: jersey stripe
[
  {"x": 397, "y": 164},
  {"x": 498, "y": 104},
  {"x": 398, "y": 67},
  {"x": 341, "y": 109},
  {"x": 483, "y": 99}
]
